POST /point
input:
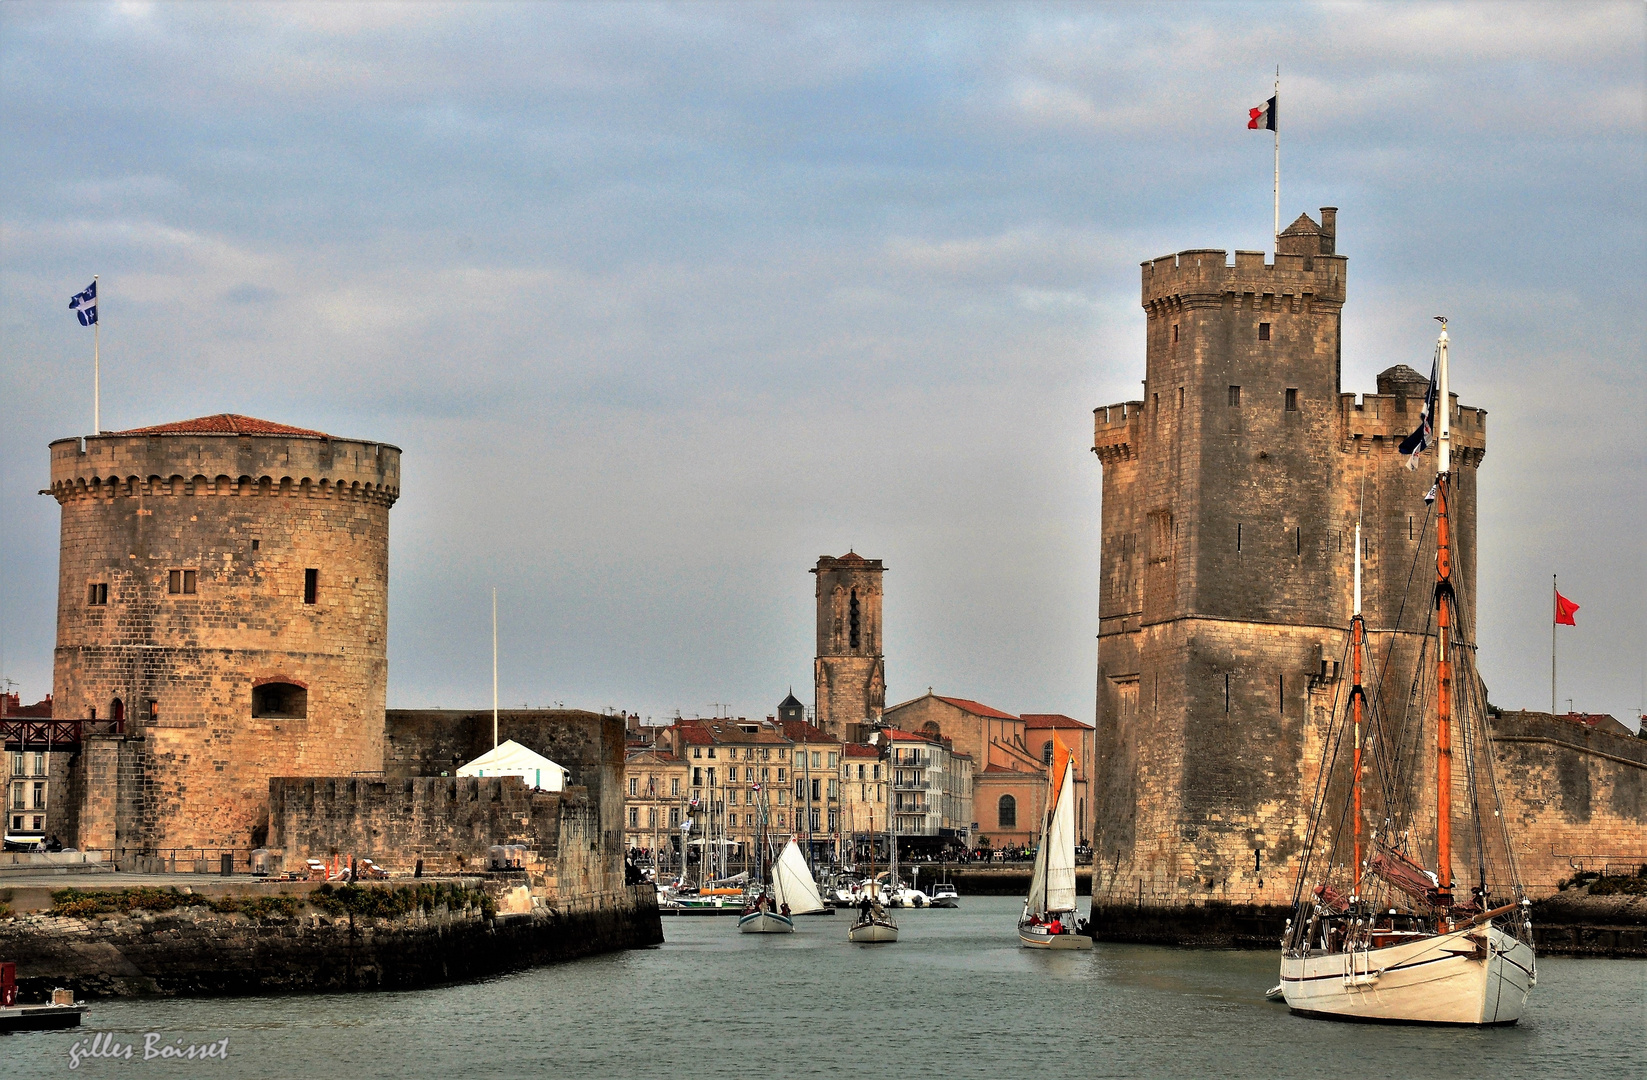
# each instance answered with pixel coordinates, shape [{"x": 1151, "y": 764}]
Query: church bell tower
[{"x": 849, "y": 673}]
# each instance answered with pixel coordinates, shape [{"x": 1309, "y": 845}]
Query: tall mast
[
  {"x": 1444, "y": 611},
  {"x": 1357, "y": 630}
]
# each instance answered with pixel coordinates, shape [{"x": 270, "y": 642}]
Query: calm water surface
[{"x": 955, "y": 998}]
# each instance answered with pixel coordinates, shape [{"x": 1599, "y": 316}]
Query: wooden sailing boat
[
  {"x": 766, "y": 911},
  {"x": 1049, "y": 917},
  {"x": 874, "y": 926},
  {"x": 1376, "y": 934}
]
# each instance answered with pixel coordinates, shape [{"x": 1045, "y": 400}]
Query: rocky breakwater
[{"x": 132, "y": 942}]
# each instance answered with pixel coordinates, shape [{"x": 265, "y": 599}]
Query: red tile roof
[
  {"x": 975, "y": 708},
  {"x": 223, "y": 424},
  {"x": 801, "y": 731},
  {"x": 1053, "y": 720},
  {"x": 994, "y": 769}
]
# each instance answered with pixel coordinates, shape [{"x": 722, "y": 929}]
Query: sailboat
[
  {"x": 1049, "y": 917},
  {"x": 1376, "y": 933},
  {"x": 874, "y": 926}
]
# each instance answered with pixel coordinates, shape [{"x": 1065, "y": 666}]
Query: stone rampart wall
[
  {"x": 449, "y": 823},
  {"x": 1576, "y": 798}
]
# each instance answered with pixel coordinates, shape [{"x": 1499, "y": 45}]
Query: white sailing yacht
[
  {"x": 1378, "y": 935},
  {"x": 1049, "y": 917}
]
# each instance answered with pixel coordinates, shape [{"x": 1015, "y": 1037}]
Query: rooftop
[
  {"x": 1039, "y": 721},
  {"x": 975, "y": 708},
  {"x": 223, "y": 424}
]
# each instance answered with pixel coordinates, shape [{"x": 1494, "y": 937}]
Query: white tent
[{"x": 510, "y": 758}]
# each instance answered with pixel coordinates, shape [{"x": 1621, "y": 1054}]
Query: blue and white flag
[
  {"x": 84, "y": 304},
  {"x": 1416, "y": 443}
]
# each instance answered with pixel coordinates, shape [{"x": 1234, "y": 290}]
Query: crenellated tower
[
  {"x": 223, "y": 592},
  {"x": 849, "y": 672},
  {"x": 1230, "y": 496}
]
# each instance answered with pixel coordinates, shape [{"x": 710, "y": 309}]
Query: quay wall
[
  {"x": 194, "y": 951},
  {"x": 1571, "y": 924}
]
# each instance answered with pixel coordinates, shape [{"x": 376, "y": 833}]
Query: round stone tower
[{"x": 223, "y": 590}]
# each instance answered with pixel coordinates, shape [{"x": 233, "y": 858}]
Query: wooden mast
[{"x": 1444, "y": 611}]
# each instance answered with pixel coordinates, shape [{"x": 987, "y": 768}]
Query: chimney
[{"x": 1329, "y": 230}]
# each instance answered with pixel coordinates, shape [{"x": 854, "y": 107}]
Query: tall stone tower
[
  {"x": 849, "y": 672},
  {"x": 223, "y": 589},
  {"x": 1230, "y": 497}
]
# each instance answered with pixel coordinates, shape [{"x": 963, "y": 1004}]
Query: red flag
[{"x": 1564, "y": 611}]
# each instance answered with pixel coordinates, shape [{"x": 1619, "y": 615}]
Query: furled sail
[{"x": 792, "y": 882}]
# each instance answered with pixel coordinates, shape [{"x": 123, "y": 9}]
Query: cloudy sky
[{"x": 664, "y": 301}]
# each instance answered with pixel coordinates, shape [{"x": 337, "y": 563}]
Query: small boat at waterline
[{"x": 1049, "y": 918}]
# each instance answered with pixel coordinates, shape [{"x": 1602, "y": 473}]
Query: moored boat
[
  {"x": 60, "y": 1012},
  {"x": 1376, "y": 934}
]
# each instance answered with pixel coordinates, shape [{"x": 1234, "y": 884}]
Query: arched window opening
[
  {"x": 1046, "y": 752},
  {"x": 852, "y": 620},
  {"x": 117, "y": 710},
  {"x": 280, "y": 701},
  {"x": 931, "y": 730},
  {"x": 1006, "y": 812}
]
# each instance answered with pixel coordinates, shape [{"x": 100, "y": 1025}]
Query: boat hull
[
  {"x": 40, "y": 1017},
  {"x": 873, "y": 933},
  {"x": 1035, "y": 936},
  {"x": 765, "y": 922},
  {"x": 1477, "y": 976}
]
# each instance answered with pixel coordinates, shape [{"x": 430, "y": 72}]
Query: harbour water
[{"x": 955, "y": 998}]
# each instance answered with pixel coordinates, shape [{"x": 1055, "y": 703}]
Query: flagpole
[
  {"x": 97, "y": 371},
  {"x": 494, "y": 667},
  {"x": 1555, "y": 613},
  {"x": 1276, "y": 120}
]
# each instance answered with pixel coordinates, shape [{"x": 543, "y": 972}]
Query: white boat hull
[
  {"x": 1035, "y": 936},
  {"x": 1443, "y": 979},
  {"x": 873, "y": 933},
  {"x": 765, "y": 922}
]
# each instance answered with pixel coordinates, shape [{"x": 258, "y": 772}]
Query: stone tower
[
  {"x": 223, "y": 589},
  {"x": 1230, "y": 496},
  {"x": 849, "y": 672}
]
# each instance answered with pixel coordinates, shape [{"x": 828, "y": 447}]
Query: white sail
[
  {"x": 1037, "y": 901},
  {"x": 792, "y": 882},
  {"x": 1059, "y": 846}
]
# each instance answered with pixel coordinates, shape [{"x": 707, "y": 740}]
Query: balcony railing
[{"x": 40, "y": 733}]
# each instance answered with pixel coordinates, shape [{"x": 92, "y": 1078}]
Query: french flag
[{"x": 1264, "y": 117}]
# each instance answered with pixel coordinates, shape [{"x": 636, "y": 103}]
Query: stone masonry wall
[
  {"x": 449, "y": 823},
  {"x": 1576, "y": 798},
  {"x": 247, "y": 516}
]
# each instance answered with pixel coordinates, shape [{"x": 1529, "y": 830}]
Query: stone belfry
[
  {"x": 849, "y": 672},
  {"x": 1230, "y": 497}
]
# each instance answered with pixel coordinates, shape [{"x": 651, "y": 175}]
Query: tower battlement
[
  {"x": 175, "y": 460},
  {"x": 1206, "y": 274},
  {"x": 1306, "y": 268}
]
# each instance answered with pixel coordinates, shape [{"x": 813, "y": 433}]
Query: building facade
[
  {"x": 1009, "y": 779},
  {"x": 849, "y": 672},
  {"x": 932, "y": 791},
  {"x": 223, "y": 596},
  {"x": 1231, "y": 492}
]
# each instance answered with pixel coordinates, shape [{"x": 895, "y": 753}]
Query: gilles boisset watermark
[{"x": 155, "y": 1047}]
